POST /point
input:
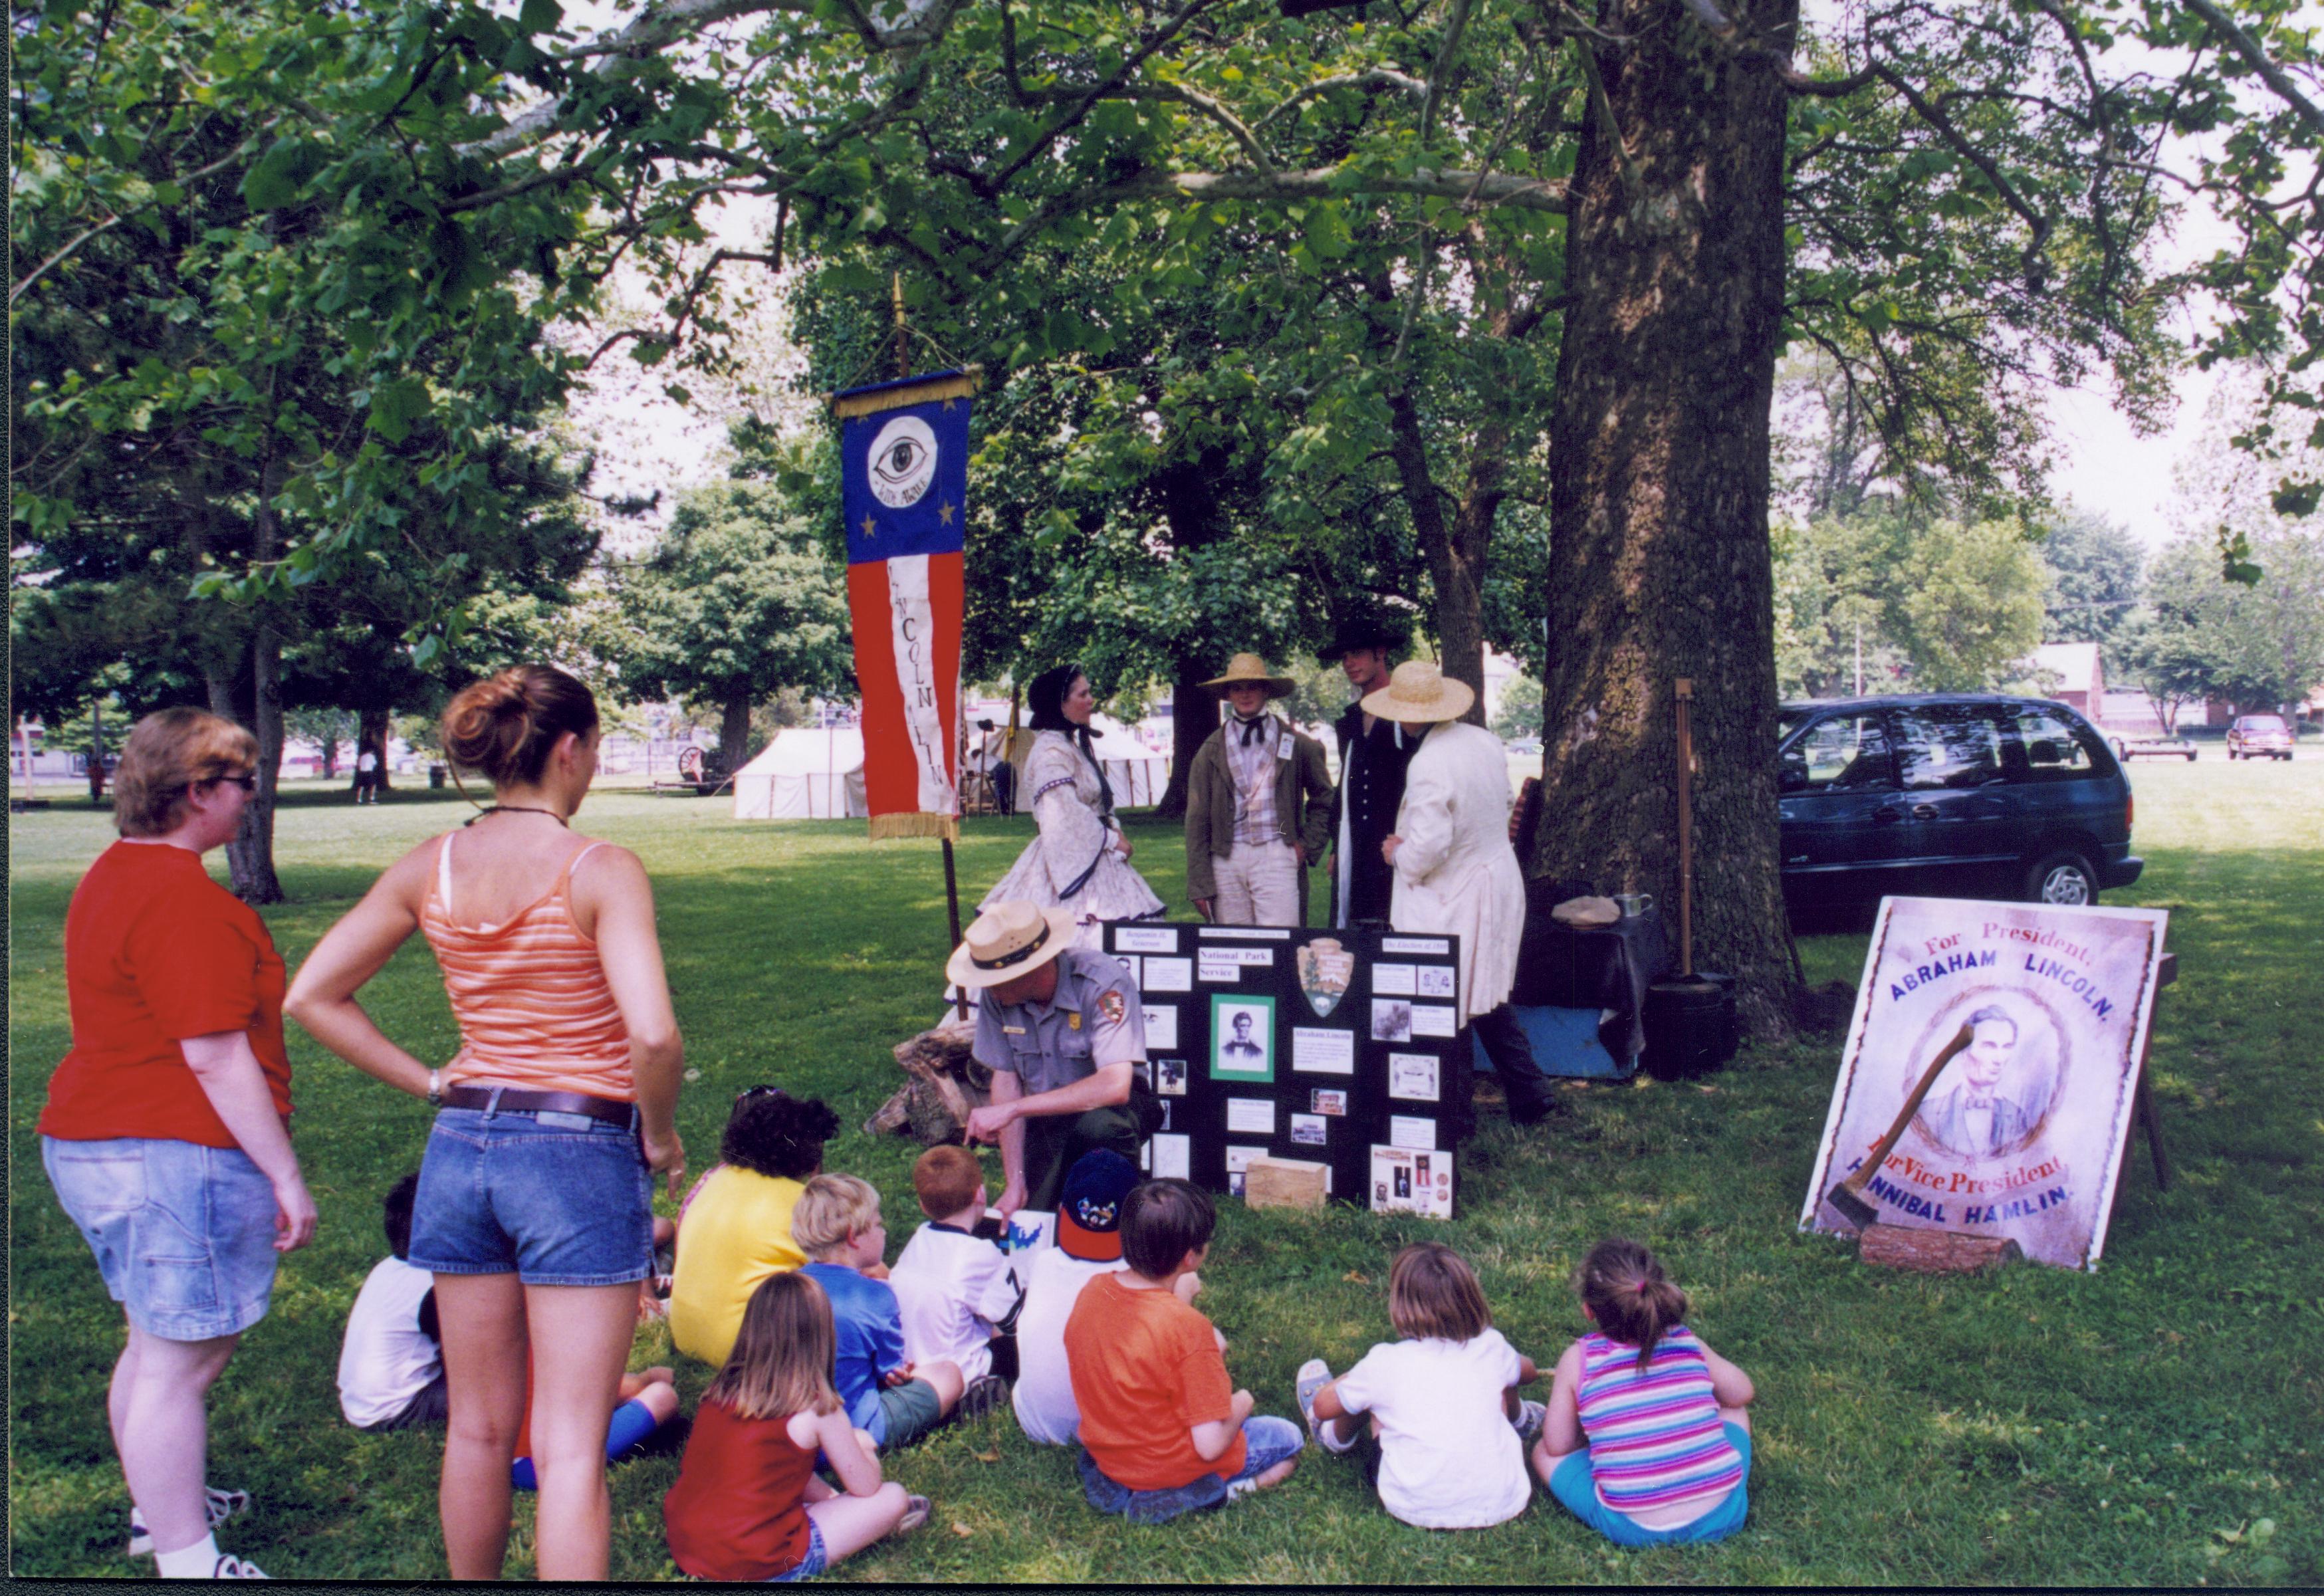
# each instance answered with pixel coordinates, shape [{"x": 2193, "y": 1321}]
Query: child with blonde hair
[
  {"x": 1442, "y": 1402},
  {"x": 748, "y": 1504},
  {"x": 1647, "y": 1439},
  {"x": 837, "y": 1223}
]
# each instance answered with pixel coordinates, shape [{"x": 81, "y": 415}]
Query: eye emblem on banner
[{"x": 903, "y": 461}]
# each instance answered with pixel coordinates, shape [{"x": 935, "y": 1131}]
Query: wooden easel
[{"x": 2166, "y": 970}]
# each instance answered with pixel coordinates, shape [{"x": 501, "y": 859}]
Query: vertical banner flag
[{"x": 903, "y": 449}]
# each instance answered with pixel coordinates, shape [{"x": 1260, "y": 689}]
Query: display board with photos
[{"x": 1331, "y": 1047}]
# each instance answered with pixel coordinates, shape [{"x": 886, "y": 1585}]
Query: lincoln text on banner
[{"x": 904, "y": 464}]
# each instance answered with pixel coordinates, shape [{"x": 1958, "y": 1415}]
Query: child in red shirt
[
  {"x": 1162, "y": 1430},
  {"x": 747, "y": 1504}
]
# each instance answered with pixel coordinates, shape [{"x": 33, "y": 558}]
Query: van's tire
[{"x": 2065, "y": 877}]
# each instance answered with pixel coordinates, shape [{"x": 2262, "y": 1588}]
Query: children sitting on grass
[
  {"x": 1162, "y": 1433},
  {"x": 392, "y": 1362},
  {"x": 1646, "y": 1440},
  {"x": 735, "y": 1227},
  {"x": 954, "y": 1288},
  {"x": 837, "y": 1223},
  {"x": 1442, "y": 1403},
  {"x": 747, "y": 1504},
  {"x": 1089, "y": 1244}
]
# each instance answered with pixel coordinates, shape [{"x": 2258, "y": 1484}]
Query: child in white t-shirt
[
  {"x": 1089, "y": 1244},
  {"x": 1441, "y": 1402},
  {"x": 955, "y": 1289},
  {"x": 391, "y": 1364}
]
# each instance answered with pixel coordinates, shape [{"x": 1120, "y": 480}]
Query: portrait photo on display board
[{"x": 1242, "y": 1037}]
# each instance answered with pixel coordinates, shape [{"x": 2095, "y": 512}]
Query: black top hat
[{"x": 1363, "y": 631}]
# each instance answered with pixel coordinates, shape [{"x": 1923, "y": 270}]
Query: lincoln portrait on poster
[
  {"x": 2019, "y": 1132},
  {"x": 1242, "y": 1037}
]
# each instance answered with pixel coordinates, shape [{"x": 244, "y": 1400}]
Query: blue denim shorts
[
  {"x": 184, "y": 1234},
  {"x": 1571, "y": 1483},
  {"x": 557, "y": 1199},
  {"x": 818, "y": 1559},
  {"x": 1266, "y": 1442}
]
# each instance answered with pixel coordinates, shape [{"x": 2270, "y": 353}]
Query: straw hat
[
  {"x": 1586, "y": 914},
  {"x": 1250, "y": 667},
  {"x": 1005, "y": 941},
  {"x": 1418, "y": 690}
]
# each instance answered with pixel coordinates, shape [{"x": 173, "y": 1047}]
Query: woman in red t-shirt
[{"x": 166, "y": 1133}]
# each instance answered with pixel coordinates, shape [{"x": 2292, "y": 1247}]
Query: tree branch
[
  {"x": 1404, "y": 83},
  {"x": 2259, "y": 61}
]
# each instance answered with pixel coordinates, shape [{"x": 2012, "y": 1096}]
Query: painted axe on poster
[
  {"x": 903, "y": 453},
  {"x": 2022, "y": 1134}
]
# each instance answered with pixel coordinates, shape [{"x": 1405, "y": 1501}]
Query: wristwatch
[{"x": 434, "y": 1088}]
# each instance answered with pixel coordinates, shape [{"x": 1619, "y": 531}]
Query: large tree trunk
[
  {"x": 733, "y": 734},
  {"x": 1660, "y": 564},
  {"x": 250, "y": 856},
  {"x": 1191, "y": 509}
]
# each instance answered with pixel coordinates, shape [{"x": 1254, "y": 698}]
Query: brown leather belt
[{"x": 508, "y": 1100}]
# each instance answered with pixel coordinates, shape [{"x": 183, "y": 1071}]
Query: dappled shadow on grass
[{"x": 2034, "y": 1426}]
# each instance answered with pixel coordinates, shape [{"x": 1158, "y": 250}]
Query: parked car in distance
[
  {"x": 2132, "y": 747},
  {"x": 1950, "y": 796},
  {"x": 1522, "y": 745},
  {"x": 2259, "y": 737}
]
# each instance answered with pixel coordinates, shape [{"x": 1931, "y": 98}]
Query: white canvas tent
[
  {"x": 1136, "y": 773},
  {"x": 805, "y": 773}
]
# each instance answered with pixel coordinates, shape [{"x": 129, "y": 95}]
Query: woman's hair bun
[{"x": 506, "y": 724}]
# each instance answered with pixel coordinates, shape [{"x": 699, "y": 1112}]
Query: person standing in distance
[
  {"x": 1062, "y": 1031},
  {"x": 1373, "y": 753},
  {"x": 535, "y": 1204},
  {"x": 1258, "y": 807}
]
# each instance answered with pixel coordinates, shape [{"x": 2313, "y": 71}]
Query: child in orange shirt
[{"x": 1162, "y": 1431}]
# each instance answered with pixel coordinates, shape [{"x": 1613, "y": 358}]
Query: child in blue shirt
[{"x": 837, "y": 1223}]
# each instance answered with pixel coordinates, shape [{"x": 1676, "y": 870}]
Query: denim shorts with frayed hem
[
  {"x": 1571, "y": 1483},
  {"x": 184, "y": 1234},
  {"x": 818, "y": 1559},
  {"x": 557, "y": 1199},
  {"x": 1266, "y": 1442}
]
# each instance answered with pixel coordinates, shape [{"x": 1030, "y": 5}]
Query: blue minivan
[{"x": 1950, "y": 796}]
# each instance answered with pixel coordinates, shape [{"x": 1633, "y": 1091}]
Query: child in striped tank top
[{"x": 1646, "y": 1440}]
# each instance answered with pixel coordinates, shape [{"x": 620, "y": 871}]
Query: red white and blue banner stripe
[{"x": 903, "y": 450}]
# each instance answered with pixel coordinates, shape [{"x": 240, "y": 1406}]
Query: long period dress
[{"x": 1072, "y": 862}]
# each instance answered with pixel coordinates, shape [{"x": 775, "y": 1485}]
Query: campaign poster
[{"x": 2020, "y": 1134}]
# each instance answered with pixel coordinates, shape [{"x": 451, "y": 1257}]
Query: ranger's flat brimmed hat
[
  {"x": 1419, "y": 690},
  {"x": 1006, "y": 940},
  {"x": 1250, "y": 667}
]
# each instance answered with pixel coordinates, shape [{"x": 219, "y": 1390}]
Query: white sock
[{"x": 196, "y": 1561}]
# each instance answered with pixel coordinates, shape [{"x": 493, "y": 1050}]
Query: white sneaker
[
  {"x": 231, "y": 1567},
  {"x": 1531, "y": 1417},
  {"x": 1314, "y": 1375},
  {"x": 223, "y": 1506}
]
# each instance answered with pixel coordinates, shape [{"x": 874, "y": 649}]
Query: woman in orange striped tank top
[{"x": 535, "y": 1203}]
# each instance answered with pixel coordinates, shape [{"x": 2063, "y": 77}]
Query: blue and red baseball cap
[{"x": 1089, "y": 1212}]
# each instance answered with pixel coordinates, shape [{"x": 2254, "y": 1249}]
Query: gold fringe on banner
[
  {"x": 967, "y": 382},
  {"x": 884, "y": 827}
]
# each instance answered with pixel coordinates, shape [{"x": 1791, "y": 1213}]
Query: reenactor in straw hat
[
  {"x": 1258, "y": 807},
  {"x": 1062, "y": 1031},
  {"x": 1455, "y": 871}
]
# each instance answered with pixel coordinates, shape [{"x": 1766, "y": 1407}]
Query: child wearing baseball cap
[{"x": 1089, "y": 1244}]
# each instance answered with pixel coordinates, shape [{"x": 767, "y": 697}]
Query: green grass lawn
[{"x": 2154, "y": 1421}]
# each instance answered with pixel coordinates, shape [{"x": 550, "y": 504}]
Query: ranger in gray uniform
[{"x": 1062, "y": 1030}]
